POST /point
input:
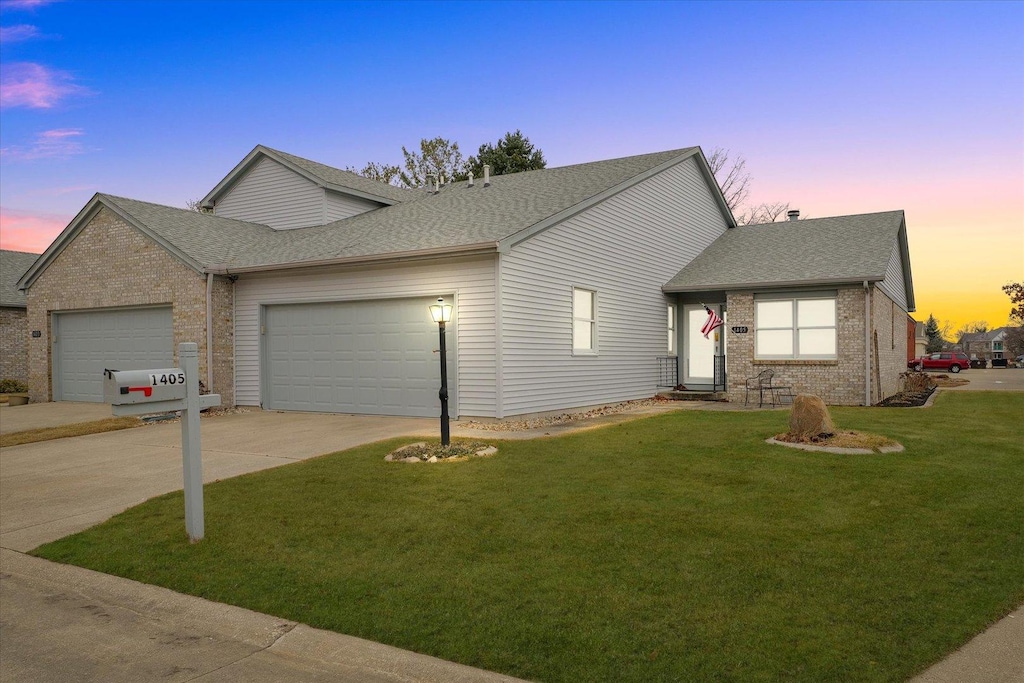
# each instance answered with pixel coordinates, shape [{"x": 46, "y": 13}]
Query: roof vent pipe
[
  {"x": 437, "y": 184},
  {"x": 487, "y": 175},
  {"x": 471, "y": 179},
  {"x": 793, "y": 214}
]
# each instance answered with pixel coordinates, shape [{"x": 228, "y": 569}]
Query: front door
[{"x": 698, "y": 352}]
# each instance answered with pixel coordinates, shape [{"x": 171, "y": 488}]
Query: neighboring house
[
  {"x": 917, "y": 340},
  {"x": 307, "y": 288},
  {"x": 986, "y": 345},
  {"x": 13, "y": 317}
]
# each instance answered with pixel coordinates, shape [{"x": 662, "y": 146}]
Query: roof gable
[
  {"x": 199, "y": 240},
  {"x": 817, "y": 251},
  {"x": 324, "y": 176}
]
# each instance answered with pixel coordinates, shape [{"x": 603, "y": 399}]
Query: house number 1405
[{"x": 172, "y": 378}]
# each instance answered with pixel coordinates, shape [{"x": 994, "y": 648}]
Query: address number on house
[
  {"x": 167, "y": 378},
  {"x": 740, "y": 329}
]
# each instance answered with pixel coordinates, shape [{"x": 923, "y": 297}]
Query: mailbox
[{"x": 125, "y": 387}]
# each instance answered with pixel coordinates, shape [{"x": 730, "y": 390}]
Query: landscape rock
[
  {"x": 411, "y": 458},
  {"x": 810, "y": 418}
]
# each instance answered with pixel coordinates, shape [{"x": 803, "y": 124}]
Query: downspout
[
  {"x": 209, "y": 332},
  {"x": 867, "y": 343},
  {"x": 499, "y": 362}
]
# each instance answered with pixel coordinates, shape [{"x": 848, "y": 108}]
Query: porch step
[{"x": 694, "y": 395}]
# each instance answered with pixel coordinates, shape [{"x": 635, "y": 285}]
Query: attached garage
[
  {"x": 87, "y": 342},
  {"x": 375, "y": 357}
]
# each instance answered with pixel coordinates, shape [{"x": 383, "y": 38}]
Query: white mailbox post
[{"x": 143, "y": 392}]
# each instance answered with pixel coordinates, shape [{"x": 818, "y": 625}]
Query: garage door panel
[
  {"x": 88, "y": 342},
  {"x": 373, "y": 357}
]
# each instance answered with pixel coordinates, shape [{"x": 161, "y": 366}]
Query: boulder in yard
[{"x": 809, "y": 418}]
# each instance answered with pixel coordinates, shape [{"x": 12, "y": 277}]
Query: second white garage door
[{"x": 365, "y": 357}]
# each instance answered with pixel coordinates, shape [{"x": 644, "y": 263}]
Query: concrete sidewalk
[{"x": 64, "y": 623}]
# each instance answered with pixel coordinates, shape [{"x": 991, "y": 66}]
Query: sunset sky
[{"x": 838, "y": 108}]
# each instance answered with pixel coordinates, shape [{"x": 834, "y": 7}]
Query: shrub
[{"x": 12, "y": 386}]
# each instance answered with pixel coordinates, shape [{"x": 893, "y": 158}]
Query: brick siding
[
  {"x": 111, "y": 264},
  {"x": 13, "y": 344},
  {"x": 839, "y": 381}
]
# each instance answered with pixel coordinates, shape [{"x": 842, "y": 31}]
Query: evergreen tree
[
  {"x": 512, "y": 154},
  {"x": 934, "y": 334}
]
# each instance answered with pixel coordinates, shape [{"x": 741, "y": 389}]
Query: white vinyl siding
[
  {"x": 338, "y": 206},
  {"x": 894, "y": 285},
  {"x": 471, "y": 280},
  {"x": 795, "y": 328},
  {"x": 274, "y": 195},
  {"x": 626, "y": 248}
]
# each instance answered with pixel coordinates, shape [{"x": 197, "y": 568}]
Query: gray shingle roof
[
  {"x": 812, "y": 251},
  {"x": 13, "y": 265},
  {"x": 458, "y": 218},
  {"x": 458, "y": 215},
  {"x": 204, "y": 238}
]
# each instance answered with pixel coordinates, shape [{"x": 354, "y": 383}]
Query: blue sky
[{"x": 837, "y": 107}]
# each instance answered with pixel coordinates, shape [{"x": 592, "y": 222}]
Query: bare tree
[
  {"x": 734, "y": 181},
  {"x": 197, "y": 206},
  {"x": 732, "y": 178},
  {"x": 763, "y": 213},
  {"x": 384, "y": 173}
]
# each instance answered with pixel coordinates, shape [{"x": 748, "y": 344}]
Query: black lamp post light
[{"x": 441, "y": 313}]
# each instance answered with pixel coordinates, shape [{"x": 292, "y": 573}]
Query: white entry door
[{"x": 698, "y": 352}]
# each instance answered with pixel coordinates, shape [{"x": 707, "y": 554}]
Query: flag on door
[{"x": 711, "y": 323}]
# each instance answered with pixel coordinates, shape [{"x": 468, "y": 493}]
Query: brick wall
[
  {"x": 837, "y": 382},
  {"x": 890, "y": 327},
  {"x": 111, "y": 264},
  {"x": 13, "y": 344}
]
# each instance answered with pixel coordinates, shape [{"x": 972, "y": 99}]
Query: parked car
[{"x": 954, "y": 361}]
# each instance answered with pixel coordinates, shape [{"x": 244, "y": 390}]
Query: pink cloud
[
  {"x": 59, "y": 143},
  {"x": 14, "y": 34},
  {"x": 29, "y": 231},
  {"x": 28, "y": 5},
  {"x": 26, "y": 84}
]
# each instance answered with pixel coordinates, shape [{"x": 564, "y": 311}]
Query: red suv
[{"x": 954, "y": 361}]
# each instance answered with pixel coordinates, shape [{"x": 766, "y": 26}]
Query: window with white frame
[
  {"x": 671, "y": 329},
  {"x": 795, "y": 327},
  {"x": 584, "y": 320}
]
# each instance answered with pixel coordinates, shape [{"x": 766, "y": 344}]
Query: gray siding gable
[
  {"x": 624, "y": 248},
  {"x": 273, "y": 195}
]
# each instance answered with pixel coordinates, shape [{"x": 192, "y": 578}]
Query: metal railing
[
  {"x": 719, "y": 380},
  {"x": 668, "y": 371}
]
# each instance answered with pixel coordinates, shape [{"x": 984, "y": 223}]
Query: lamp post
[{"x": 441, "y": 313}]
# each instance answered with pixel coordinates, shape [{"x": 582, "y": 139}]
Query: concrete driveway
[
  {"x": 63, "y": 623},
  {"x": 991, "y": 379}
]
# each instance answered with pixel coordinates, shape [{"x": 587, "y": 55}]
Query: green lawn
[{"x": 680, "y": 547}]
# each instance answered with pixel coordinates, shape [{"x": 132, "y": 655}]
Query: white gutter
[
  {"x": 464, "y": 250},
  {"x": 209, "y": 332},
  {"x": 867, "y": 343}
]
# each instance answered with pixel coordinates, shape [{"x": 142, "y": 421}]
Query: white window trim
[
  {"x": 796, "y": 328},
  {"x": 673, "y": 330},
  {"x": 592, "y": 351}
]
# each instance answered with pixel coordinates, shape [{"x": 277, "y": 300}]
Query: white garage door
[
  {"x": 86, "y": 343},
  {"x": 366, "y": 357}
]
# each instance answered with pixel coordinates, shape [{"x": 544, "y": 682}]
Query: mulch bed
[{"x": 906, "y": 399}]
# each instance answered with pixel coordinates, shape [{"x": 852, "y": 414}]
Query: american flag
[{"x": 711, "y": 323}]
